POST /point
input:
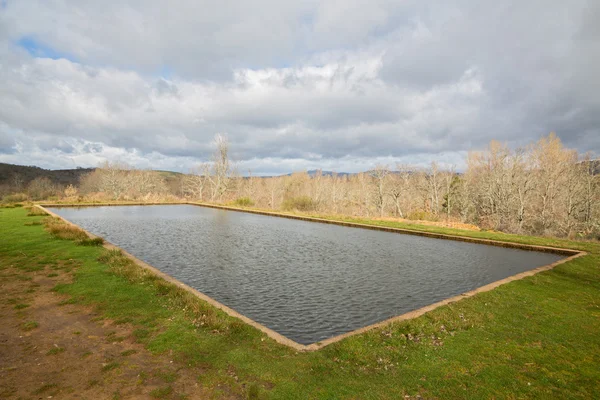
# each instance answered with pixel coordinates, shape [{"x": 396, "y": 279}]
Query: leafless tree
[
  {"x": 399, "y": 186},
  {"x": 17, "y": 182},
  {"x": 379, "y": 175},
  {"x": 222, "y": 170},
  {"x": 543, "y": 188},
  {"x": 195, "y": 182}
]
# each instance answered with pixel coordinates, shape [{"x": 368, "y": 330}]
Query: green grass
[
  {"x": 161, "y": 392},
  {"x": 45, "y": 388},
  {"x": 110, "y": 366},
  {"x": 29, "y": 325},
  {"x": 533, "y": 338},
  {"x": 55, "y": 350}
]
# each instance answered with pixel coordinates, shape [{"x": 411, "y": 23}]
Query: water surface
[{"x": 305, "y": 280}]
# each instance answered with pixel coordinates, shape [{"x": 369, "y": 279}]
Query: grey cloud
[
  {"x": 195, "y": 37},
  {"x": 164, "y": 87},
  {"x": 533, "y": 60},
  {"x": 316, "y": 82},
  {"x": 7, "y": 145},
  {"x": 92, "y": 148}
]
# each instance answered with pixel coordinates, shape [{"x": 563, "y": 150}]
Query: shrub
[
  {"x": 41, "y": 188},
  {"x": 244, "y": 202},
  {"x": 97, "y": 241},
  {"x": 15, "y": 198},
  {"x": 421, "y": 216},
  {"x": 36, "y": 212},
  {"x": 70, "y": 191},
  {"x": 61, "y": 230},
  {"x": 302, "y": 203}
]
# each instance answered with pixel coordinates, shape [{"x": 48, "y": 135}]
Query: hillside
[
  {"x": 594, "y": 166},
  {"x": 11, "y": 174}
]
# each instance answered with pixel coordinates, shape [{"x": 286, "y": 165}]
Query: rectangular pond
[{"x": 307, "y": 281}]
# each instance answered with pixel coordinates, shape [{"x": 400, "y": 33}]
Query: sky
[{"x": 338, "y": 85}]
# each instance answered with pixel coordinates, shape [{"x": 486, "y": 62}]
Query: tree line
[{"x": 541, "y": 189}]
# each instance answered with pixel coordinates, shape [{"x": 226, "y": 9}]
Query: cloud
[{"x": 294, "y": 85}]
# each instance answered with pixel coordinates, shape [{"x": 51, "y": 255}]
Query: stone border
[{"x": 573, "y": 254}]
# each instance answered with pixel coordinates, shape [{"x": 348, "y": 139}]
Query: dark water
[{"x": 305, "y": 280}]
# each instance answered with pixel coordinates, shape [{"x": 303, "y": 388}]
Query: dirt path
[{"x": 52, "y": 349}]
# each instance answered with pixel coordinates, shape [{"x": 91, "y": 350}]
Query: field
[{"x": 76, "y": 320}]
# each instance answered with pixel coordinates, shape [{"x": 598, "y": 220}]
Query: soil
[{"x": 52, "y": 349}]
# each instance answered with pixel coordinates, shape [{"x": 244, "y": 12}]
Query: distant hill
[
  {"x": 313, "y": 172},
  {"x": 327, "y": 173},
  {"x": 594, "y": 166},
  {"x": 9, "y": 173}
]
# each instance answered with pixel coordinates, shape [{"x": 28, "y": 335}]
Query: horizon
[{"x": 337, "y": 88}]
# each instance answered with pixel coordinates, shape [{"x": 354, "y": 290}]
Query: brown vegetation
[
  {"x": 543, "y": 189},
  {"x": 61, "y": 230},
  {"x": 36, "y": 212}
]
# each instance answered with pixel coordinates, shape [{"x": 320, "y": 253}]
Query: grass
[
  {"x": 29, "y": 325},
  {"x": 55, "y": 350},
  {"x": 61, "y": 230},
  {"x": 91, "y": 242},
  {"x": 532, "y": 338},
  {"x": 110, "y": 366},
  {"x": 36, "y": 212},
  {"x": 34, "y": 223},
  {"x": 161, "y": 393},
  {"x": 45, "y": 388}
]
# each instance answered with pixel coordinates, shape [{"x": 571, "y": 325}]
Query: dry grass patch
[
  {"x": 61, "y": 230},
  {"x": 36, "y": 212}
]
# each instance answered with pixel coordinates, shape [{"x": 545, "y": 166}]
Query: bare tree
[
  {"x": 114, "y": 178},
  {"x": 17, "y": 182},
  {"x": 542, "y": 188},
  {"x": 379, "y": 174},
  {"x": 195, "y": 182},
  {"x": 274, "y": 190},
  {"x": 41, "y": 188},
  {"x": 522, "y": 180},
  {"x": 338, "y": 188},
  {"x": 399, "y": 186},
  {"x": 70, "y": 191},
  {"x": 434, "y": 184},
  {"x": 222, "y": 171},
  {"x": 591, "y": 192},
  {"x": 363, "y": 193},
  {"x": 551, "y": 163},
  {"x": 317, "y": 186}
]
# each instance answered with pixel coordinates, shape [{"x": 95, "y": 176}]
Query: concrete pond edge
[{"x": 279, "y": 338}]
